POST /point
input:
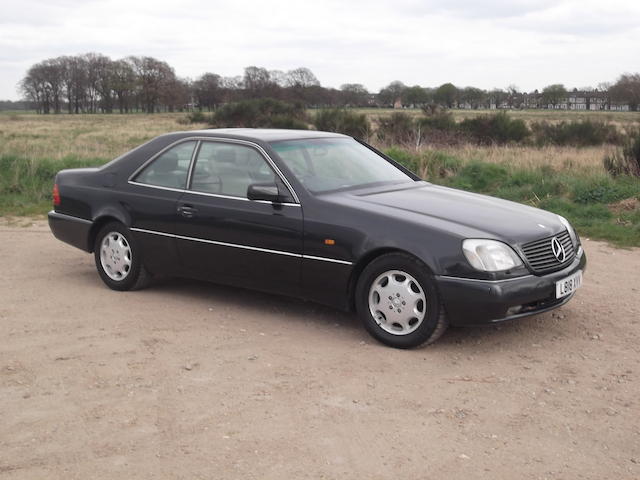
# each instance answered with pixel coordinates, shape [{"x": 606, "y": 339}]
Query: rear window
[{"x": 170, "y": 169}]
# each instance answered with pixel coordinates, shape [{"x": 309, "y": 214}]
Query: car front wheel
[
  {"x": 398, "y": 302},
  {"x": 118, "y": 260}
]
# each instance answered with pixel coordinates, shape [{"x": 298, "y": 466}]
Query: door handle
[{"x": 187, "y": 211}]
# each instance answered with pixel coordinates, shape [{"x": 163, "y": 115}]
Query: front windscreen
[{"x": 325, "y": 164}]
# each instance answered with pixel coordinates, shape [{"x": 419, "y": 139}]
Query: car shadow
[
  {"x": 533, "y": 330},
  {"x": 219, "y": 295},
  {"x": 537, "y": 329}
]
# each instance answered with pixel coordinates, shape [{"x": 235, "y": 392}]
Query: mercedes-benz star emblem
[{"x": 558, "y": 249}]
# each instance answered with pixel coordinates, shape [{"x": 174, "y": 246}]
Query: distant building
[{"x": 581, "y": 100}]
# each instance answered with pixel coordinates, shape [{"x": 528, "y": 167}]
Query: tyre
[
  {"x": 398, "y": 302},
  {"x": 118, "y": 258}
]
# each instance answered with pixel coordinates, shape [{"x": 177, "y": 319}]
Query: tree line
[{"x": 93, "y": 83}]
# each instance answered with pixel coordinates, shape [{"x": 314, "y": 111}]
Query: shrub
[
  {"x": 261, "y": 113},
  {"x": 627, "y": 160},
  {"x": 343, "y": 121},
  {"x": 194, "y": 117},
  {"x": 197, "y": 117},
  {"x": 399, "y": 128},
  {"x": 498, "y": 128},
  {"x": 438, "y": 120},
  {"x": 578, "y": 133},
  {"x": 604, "y": 189}
]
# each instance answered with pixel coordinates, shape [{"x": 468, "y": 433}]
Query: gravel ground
[{"x": 192, "y": 380}]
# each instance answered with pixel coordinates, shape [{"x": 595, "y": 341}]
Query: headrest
[
  {"x": 226, "y": 155},
  {"x": 167, "y": 163}
]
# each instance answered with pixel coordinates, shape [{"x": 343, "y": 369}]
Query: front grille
[{"x": 539, "y": 254}]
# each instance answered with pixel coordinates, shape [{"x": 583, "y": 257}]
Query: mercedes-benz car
[{"x": 323, "y": 217}]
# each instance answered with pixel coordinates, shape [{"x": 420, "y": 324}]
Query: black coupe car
[{"x": 319, "y": 216}]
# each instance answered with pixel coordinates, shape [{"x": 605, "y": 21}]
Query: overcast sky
[{"x": 492, "y": 43}]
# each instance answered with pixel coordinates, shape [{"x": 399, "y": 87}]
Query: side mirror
[{"x": 263, "y": 191}]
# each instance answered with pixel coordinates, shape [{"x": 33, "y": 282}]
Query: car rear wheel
[
  {"x": 118, "y": 260},
  {"x": 398, "y": 302}
]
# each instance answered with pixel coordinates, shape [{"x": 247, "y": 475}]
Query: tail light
[{"x": 56, "y": 195}]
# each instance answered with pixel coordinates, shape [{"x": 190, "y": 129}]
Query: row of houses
[{"x": 576, "y": 100}]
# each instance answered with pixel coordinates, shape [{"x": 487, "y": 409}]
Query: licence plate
[{"x": 568, "y": 285}]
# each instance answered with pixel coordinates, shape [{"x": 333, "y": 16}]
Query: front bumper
[{"x": 476, "y": 302}]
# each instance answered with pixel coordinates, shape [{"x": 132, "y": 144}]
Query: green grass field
[{"x": 567, "y": 180}]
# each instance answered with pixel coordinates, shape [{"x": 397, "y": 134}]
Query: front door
[{"x": 223, "y": 236}]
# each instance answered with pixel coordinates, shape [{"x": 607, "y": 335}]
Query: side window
[
  {"x": 170, "y": 169},
  {"x": 229, "y": 169}
]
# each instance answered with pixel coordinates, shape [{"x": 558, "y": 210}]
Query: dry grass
[
  {"x": 34, "y": 147},
  {"x": 587, "y": 159},
  {"x": 33, "y": 137},
  {"x": 620, "y": 119}
]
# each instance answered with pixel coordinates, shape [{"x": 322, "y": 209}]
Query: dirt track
[{"x": 192, "y": 380}]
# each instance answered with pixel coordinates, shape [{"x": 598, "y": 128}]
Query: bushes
[
  {"x": 436, "y": 126},
  {"x": 261, "y": 113},
  {"x": 498, "y": 128},
  {"x": 343, "y": 121},
  {"x": 578, "y": 133},
  {"x": 604, "y": 189},
  {"x": 438, "y": 120},
  {"x": 627, "y": 160},
  {"x": 197, "y": 117},
  {"x": 399, "y": 128}
]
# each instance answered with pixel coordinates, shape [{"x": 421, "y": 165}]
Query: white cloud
[{"x": 495, "y": 43}]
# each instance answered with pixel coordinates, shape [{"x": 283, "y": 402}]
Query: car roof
[{"x": 262, "y": 134}]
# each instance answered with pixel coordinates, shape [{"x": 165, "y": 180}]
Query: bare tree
[
  {"x": 123, "y": 80},
  {"x": 354, "y": 94},
  {"x": 554, "y": 94},
  {"x": 390, "y": 94},
  {"x": 256, "y": 81},
  {"x": 154, "y": 78},
  {"x": 301, "y": 77},
  {"x": 627, "y": 89},
  {"x": 207, "y": 91}
]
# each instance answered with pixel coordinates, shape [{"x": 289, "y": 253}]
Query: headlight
[
  {"x": 572, "y": 232},
  {"x": 490, "y": 255}
]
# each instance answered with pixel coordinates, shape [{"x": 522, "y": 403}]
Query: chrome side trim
[
  {"x": 245, "y": 247},
  {"x": 448, "y": 277},
  {"x": 179, "y": 190},
  {"x": 231, "y": 197},
  {"x": 214, "y": 139},
  {"x": 217, "y": 195},
  {"x": 53, "y": 213},
  {"x": 324, "y": 259}
]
